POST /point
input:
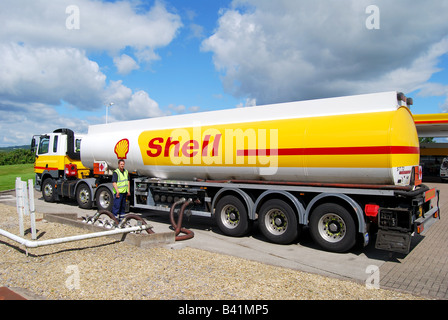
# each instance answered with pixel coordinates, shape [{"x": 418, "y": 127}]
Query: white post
[
  {"x": 32, "y": 213},
  {"x": 25, "y": 203},
  {"x": 19, "y": 201}
]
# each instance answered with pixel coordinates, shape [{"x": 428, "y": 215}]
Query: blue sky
[{"x": 62, "y": 62}]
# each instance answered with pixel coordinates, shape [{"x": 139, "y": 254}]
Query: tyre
[
  {"x": 84, "y": 196},
  {"x": 104, "y": 199},
  {"x": 48, "y": 190},
  {"x": 278, "y": 222},
  {"x": 333, "y": 228},
  {"x": 231, "y": 216}
]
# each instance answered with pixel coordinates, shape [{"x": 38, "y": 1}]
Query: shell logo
[{"x": 122, "y": 149}]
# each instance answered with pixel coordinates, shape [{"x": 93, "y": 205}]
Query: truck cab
[{"x": 57, "y": 159}]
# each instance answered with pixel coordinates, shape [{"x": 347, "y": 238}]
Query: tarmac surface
[{"x": 423, "y": 272}]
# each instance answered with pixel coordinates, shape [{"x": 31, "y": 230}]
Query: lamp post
[{"x": 107, "y": 109}]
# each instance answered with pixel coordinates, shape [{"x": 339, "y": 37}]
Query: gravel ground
[{"x": 107, "y": 269}]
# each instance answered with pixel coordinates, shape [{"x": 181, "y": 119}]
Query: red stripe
[
  {"x": 432, "y": 122},
  {"x": 330, "y": 151},
  {"x": 45, "y": 168}
]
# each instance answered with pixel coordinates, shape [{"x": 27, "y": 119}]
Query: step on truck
[{"x": 345, "y": 168}]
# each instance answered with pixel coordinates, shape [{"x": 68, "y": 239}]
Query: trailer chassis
[{"x": 338, "y": 216}]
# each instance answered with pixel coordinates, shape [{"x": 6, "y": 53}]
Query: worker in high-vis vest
[{"x": 122, "y": 189}]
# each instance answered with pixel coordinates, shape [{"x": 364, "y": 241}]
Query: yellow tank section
[
  {"x": 370, "y": 140},
  {"x": 403, "y": 133}
]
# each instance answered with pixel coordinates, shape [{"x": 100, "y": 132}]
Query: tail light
[{"x": 371, "y": 211}]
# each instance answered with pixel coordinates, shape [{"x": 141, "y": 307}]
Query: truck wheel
[
  {"x": 278, "y": 222},
  {"x": 104, "y": 199},
  {"x": 48, "y": 191},
  {"x": 231, "y": 216},
  {"x": 84, "y": 196},
  {"x": 333, "y": 228}
]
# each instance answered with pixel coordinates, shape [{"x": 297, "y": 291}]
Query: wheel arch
[
  {"x": 290, "y": 199},
  {"x": 247, "y": 200},
  {"x": 107, "y": 185},
  {"x": 52, "y": 174},
  {"x": 342, "y": 199},
  {"x": 90, "y": 182}
]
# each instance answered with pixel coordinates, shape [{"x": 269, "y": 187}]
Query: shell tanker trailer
[{"x": 344, "y": 167}]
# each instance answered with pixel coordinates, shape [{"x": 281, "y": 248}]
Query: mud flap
[{"x": 393, "y": 241}]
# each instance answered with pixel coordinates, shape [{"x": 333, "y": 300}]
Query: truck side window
[
  {"x": 55, "y": 144},
  {"x": 78, "y": 145},
  {"x": 43, "y": 145}
]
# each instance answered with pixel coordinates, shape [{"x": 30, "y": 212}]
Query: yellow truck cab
[{"x": 57, "y": 165}]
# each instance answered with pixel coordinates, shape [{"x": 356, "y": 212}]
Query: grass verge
[{"x": 9, "y": 173}]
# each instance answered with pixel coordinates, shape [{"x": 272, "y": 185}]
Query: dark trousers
[{"x": 119, "y": 205}]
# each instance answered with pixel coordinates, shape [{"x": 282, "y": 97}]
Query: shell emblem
[{"x": 122, "y": 149}]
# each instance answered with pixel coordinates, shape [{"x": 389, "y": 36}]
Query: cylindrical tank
[{"x": 365, "y": 139}]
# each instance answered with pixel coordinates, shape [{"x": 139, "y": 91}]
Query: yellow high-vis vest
[{"x": 122, "y": 182}]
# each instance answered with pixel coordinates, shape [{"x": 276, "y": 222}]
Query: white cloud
[
  {"x": 284, "y": 50},
  {"x": 142, "y": 106},
  {"x": 118, "y": 93},
  {"x": 177, "y": 109},
  {"x": 43, "y": 61},
  {"x": 49, "y": 75},
  {"x": 129, "y": 105},
  {"x": 194, "y": 109},
  {"x": 249, "y": 103},
  {"x": 110, "y": 26},
  {"x": 44, "y": 64},
  {"x": 20, "y": 121},
  {"x": 125, "y": 64}
]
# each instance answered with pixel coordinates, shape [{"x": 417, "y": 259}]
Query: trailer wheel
[
  {"x": 84, "y": 196},
  {"x": 231, "y": 216},
  {"x": 48, "y": 190},
  {"x": 278, "y": 222},
  {"x": 333, "y": 228},
  {"x": 104, "y": 199}
]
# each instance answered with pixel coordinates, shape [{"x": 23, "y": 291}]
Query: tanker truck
[{"x": 343, "y": 168}]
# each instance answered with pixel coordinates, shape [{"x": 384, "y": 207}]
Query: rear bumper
[
  {"x": 424, "y": 223},
  {"x": 400, "y": 240}
]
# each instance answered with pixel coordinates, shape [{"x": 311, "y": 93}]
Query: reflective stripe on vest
[{"x": 122, "y": 182}]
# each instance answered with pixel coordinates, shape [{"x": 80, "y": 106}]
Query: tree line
[{"x": 17, "y": 156}]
